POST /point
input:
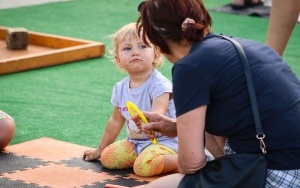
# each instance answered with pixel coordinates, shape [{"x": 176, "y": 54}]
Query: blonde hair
[{"x": 131, "y": 30}]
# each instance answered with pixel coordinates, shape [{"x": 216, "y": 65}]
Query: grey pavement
[{"x": 6, "y": 4}]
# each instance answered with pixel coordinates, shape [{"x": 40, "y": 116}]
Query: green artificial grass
[{"x": 71, "y": 102}]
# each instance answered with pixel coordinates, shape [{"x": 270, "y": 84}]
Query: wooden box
[{"x": 45, "y": 50}]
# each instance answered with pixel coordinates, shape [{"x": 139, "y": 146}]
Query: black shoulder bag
[{"x": 236, "y": 170}]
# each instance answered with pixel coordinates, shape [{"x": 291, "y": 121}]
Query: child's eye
[
  {"x": 143, "y": 46},
  {"x": 126, "y": 49}
]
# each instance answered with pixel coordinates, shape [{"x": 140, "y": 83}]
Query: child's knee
[
  {"x": 146, "y": 167},
  {"x": 112, "y": 161},
  {"x": 108, "y": 159},
  {"x": 118, "y": 156}
]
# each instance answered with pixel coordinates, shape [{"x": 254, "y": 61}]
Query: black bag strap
[{"x": 259, "y": 130}]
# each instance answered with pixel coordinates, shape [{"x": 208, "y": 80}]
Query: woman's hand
[{"x": 157, "y": 123}]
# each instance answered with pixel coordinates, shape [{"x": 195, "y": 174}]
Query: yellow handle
[{"x": 134, "y": 109}]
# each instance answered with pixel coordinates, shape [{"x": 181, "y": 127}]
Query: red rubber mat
[{"x": 47, "y": 162}]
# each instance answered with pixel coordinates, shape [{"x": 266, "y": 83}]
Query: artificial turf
[{"x": 71, "y": 102}]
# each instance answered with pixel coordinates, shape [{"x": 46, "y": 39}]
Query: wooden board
[{"x": 46, "y": 50}]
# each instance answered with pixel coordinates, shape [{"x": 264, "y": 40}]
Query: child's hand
[
  {"x": 139, "y": 126},
  {"x": 90, "y": 155}
]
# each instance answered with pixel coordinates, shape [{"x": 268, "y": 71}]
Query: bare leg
[
  {"x": 283, "y": 18},
  {"x": 169, "y": 181},
  {"x": 170, "y": 163}
]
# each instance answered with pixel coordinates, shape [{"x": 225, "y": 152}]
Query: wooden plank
[
  {"x": 46, "y": 59},
  {"x": 61, "y": 50},
  {"x": 53, "y": 41}
]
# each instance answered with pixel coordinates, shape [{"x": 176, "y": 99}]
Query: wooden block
[{"x": 17, "y": 38}]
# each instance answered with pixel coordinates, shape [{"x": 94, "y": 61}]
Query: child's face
[{"x": 134, "y": 55}]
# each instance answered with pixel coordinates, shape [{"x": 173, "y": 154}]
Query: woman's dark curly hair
[{"x": 162, "y": 19}]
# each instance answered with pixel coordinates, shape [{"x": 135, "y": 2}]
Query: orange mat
[{"x": 47, "y": 162}]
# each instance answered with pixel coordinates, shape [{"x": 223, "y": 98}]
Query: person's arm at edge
[{"x": 283, "y": 19}]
